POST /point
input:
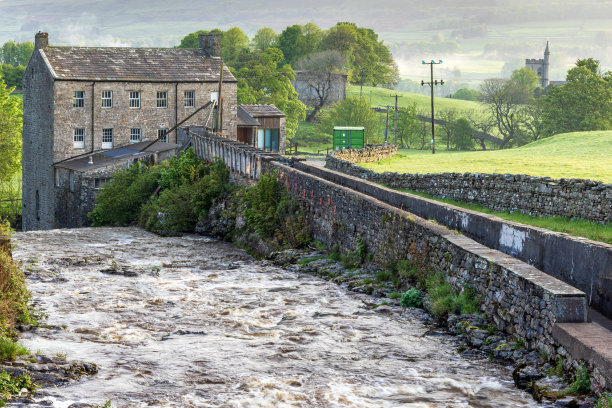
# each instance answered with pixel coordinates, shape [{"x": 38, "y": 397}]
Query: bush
[
  {"x": 445, "y": 300},
  {"x": 120, "y": 200},
  {"x": 14, "y": 295},
  {"x": 412, "y": 298},
  {"x": 582, "y": 381},
  {"x": 10, "y": 386},
  {"x": 9, "y": 349},
  {"x": 605, "y": 401}
]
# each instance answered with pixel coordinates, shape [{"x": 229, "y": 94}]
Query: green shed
[{"x": 348, "y": 137}]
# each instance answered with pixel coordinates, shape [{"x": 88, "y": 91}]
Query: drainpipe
[
  {"x": 93, "y": 91},
  {"x": 176, "y": 111}
]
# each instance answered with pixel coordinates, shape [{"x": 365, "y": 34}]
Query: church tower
[{"x": 545, "y": 78}]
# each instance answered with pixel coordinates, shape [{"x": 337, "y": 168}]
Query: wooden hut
[{"x": 262, "y": 126}]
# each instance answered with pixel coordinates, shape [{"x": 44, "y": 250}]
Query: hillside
[
  {"x": 586, "y": 155},
  {"x": 382, "y": 97}
]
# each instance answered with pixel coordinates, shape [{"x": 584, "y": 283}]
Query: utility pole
[
  {"x": 387, "y": 126},
  {"x": 395, "y": 130},
  {"x": 431, "y": 84}
]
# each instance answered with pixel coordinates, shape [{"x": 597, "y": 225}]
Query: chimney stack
[
  {"x": 210, "y": 43},
  {"x": 41, "y": 40}
]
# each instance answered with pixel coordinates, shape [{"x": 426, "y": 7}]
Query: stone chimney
[
  {"x": 41, "y": 40},
  {"x": 210, "y": 43}
]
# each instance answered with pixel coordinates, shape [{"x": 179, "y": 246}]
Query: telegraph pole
[
  {"x": 431, "y": 84},
  {"x": 395, "y": 130}
]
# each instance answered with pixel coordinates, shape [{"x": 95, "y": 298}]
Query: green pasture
[
  {"x": 382, "y": 97},
  {"x": 585, "y": 155}
]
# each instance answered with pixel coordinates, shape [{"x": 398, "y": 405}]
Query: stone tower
[{"x": 541, "y": 67}]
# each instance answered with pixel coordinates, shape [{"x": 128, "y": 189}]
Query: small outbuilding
[{"x": 262, "y": 126}]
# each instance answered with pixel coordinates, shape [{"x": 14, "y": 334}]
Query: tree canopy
[
  {"x": 261, "y": 80},
  {"x": 583, "y": 103},
  {"x": 352, "y": 111},
  {"x": 10, "y": 133},
  {"x": 16, "y": 53},
  {"x": 264, "y": 39}
]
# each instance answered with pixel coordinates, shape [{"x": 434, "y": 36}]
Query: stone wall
[
  {"x": 367, "y": 155},
  {"x": 536, "y": 196},
  {"x": 522, "y": 300}
]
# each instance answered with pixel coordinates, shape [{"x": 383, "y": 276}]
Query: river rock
[{"x": 524, "y": 374}]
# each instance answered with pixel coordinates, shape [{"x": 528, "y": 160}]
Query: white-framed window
[
  {"x": 78, "y": 99},
  {"x": 162, "y": 135},
  {"x": 214, "y": 96},
  {"x": 189, "y": 99},
  {"x": 162, "y": 99},
  {"x": 57, "y": 177},
  {"x": 107, "y": 138},
  {"x": 107, "y": 99},
  {"x": 78, "y": 138},
  {"x": 135, "y": 135},
  {"x": 134, "y": 99}
]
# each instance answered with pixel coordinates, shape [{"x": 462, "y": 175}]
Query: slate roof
[
  {"x": 263, "y": 111},
  {"x": 108, "y": 157},
  {"x": 245, "y": 118},
  {"x": 134, "y": 64}
]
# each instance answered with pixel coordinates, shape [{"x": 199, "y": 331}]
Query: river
[{"x": 193, "y": 322}]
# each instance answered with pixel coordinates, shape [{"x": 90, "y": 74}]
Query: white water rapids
[{"x": 192, "y": 322}]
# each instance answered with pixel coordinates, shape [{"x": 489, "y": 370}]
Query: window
[
  {"x": 107, "y": 138},
  {"x": 57, "y": 177},
  {"x": 189, "y": 99},
  {"x": 107, "y": 99},
  {"x": 134, "y": 99},
  {"x": 271, "y": 140},
  {"x": 135, "y": 135},
  {"x": 78, "y": 139},
  {"x": 162, "y": 135},
  {"x": 162, "y": 99},
  {"x": 99, "y": 183},
  {"x": 214, "y": 96},
  {"x": 78, "y": 99}
]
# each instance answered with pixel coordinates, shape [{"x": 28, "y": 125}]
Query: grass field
[
  {"x": 383, "y": 97},
  {"x": 586, "y": 155}
]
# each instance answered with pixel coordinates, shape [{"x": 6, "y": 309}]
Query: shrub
[
  {"x": 412, "y": 298},
  {"x": 10, "y": 386},
  {"x": 582, "y": 381},
  {"x": 445, "y": 300},
  {"x": 14, "y": 295},
  {"x": 605, "y": 401},
  {"x": 9, "y": 349},
  {"x": 120, "y": 200}
]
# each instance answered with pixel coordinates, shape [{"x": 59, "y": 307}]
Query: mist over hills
[{"x": 476, "y": 38}]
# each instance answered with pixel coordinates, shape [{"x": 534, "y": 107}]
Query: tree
[
  {"x": 408, "y": 126},
  {"x": 526, "y": 79},
  {"x": 264, "y": 39},
  {"x": 504, "y": 98},
  {"x": 16, "y": 53},
  {"x": 467, "y": 94},
  {"x": 288, "y": 41},
  {"x": 462, "y": 134},
  {"x": 352, "y": 111},
  {"x": 11, "y": 115},
  {"x": 319, "y": 76},
  {"x": 482, "y": 125},
  {"x": 368, "y": 59},
  {"x": 12, "y": 75},
  {"x": 261, "y": 80},
  {"x": 233, "y": 42},
  {"x": 583, "y": 103},
  {"x": 448, "y": 116}
]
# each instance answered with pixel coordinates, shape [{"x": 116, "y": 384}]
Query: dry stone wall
[
  {"x": 367, "y": 155},
  {"x": 536, "y": 196}
]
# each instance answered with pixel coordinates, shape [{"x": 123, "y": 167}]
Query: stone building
[
  {"x": 541, "y": 67},
  {"x": 81, "y": 101}
]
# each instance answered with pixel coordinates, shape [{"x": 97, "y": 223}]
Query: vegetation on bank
[
  {"x": 586, "y": 155},
  {"x": 177, "y": 195},
  {"x": 14, "y": 310}
]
